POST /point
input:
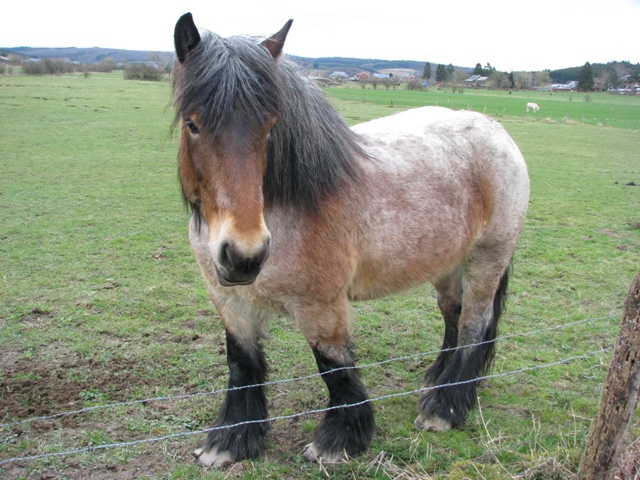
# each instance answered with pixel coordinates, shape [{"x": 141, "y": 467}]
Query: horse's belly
[{"x": 408, "y": 248}]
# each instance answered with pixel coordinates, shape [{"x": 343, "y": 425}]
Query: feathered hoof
[
  {"x": 313, "y": 454},
  {"x": 432, "y": 424},
  {"x": 213, "y": 458}
]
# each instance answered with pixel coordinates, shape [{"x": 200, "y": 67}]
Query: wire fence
[{"x": 296, "y": 379}]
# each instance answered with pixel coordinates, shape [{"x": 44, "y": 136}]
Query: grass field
[
  {"x": 599, "y": 109},
  {"x": 102, "y": 302}
]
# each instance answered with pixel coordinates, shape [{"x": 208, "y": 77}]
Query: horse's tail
[{"x": 499, "y": 306}]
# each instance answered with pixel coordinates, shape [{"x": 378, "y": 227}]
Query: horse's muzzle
[{"x": 234, "y": 268}]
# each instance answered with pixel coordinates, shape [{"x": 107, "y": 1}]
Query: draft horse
[{"x": 294, "y": 213}]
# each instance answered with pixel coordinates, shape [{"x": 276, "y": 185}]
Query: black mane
[{"x": 311, "y": 149}]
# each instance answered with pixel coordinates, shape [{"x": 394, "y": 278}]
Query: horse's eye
[{"x": 192, "y": 128}]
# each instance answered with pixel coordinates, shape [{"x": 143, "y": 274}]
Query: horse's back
[
  {"x": 445, "y": 149},
  {"x": 434, "y": 125},
  {"x": 438, "y": 183}
]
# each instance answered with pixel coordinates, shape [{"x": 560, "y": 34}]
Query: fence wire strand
[
  {"x": 300, "y": 414},
  {"x": 304, "y": 377},
  {"x": 421, "y": 390}
]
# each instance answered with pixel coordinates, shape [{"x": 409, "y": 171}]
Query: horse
[
  {"x": 533, "y": 106},
  {"x": 294, "y": 213}
]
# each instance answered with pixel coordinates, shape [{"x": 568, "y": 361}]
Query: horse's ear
[
  {"x": 275, "y": 43},
  {"x": 185, "y": 36}
]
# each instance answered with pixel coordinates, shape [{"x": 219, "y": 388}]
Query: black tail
[{"x": 499, "y": 306}]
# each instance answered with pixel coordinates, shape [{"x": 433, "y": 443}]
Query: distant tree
[
  {"x": 542, "y": 78},
  {"x": 450, "y": 73},
  {"x": 512, "y": 80},
  {"x": 414, "y": 84},
  {"x": 524, "y": 79},
  {"x": 108, "y": 64},
  {"x": 499, "y": 80},
  {"x": 426, "y": 73},
  {"x": 485, "y": 71},
  {"x": 441, "y": 73},
  {"x": 488, "y": 69},
  {"x": 460, "y": 75},
  {"x": 585, "y": 78},
  {"x": 613, "y": 79}
]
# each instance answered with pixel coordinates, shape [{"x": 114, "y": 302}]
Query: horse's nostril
[
  {"x": 263, "y": 254},
  {"x": 225, "y": 256},
  {"x": 240, "y": 265}
]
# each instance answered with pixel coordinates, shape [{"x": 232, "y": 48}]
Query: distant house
[
  {"x": 363, "y": 76},
  {"x": 407, "y": 77},
  {"x": 563, "y": 87},
  {"x": 339, "y": 75},
  {"x": 476, "y": 80}
]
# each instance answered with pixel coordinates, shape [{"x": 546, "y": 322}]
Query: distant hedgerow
[
  {"x": 415, "y": 84},
  {"x": 47, "y": 66},
  {"x": 143, "y": 72}
]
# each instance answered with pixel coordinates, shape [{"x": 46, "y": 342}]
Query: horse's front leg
[
  {"x": 243, "y": 402},
  {"x": 343, "y": 431}
]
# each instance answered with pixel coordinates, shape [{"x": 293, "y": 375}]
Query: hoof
[
  {"x": 432, "y": 424},
  {"x": 213, "y": 458},
  {"x": 312, "y": 454}
]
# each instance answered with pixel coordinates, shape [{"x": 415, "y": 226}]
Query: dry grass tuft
[
  {"x": 629, "y": 463},
  {"x": 384, "y": 464}
]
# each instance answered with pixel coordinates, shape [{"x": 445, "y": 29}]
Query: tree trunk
[{"x": 619, "y": 396}]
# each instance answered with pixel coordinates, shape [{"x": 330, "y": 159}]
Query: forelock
[{"x": 224, "y": 76}]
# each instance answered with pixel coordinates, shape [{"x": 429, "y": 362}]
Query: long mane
[{"x": 311, "y": 150}]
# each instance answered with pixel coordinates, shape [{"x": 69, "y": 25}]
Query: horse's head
[{"x": 227, "y": 101}]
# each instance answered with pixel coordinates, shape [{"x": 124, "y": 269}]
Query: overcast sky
[{"x": 509, "y": 34}]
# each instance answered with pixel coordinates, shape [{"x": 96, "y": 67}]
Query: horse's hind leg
[
  {"x": 484, "y": 284},
  {"x": 449, "y": 292},
  {"x": 347, "y": 431}
]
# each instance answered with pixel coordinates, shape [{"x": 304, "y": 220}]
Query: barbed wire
[
  {"x": 299, "y": 414},
  {"x": 300, "y": 378}
]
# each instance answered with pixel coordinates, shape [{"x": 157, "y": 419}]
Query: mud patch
[{"x": 31, "y": 388}]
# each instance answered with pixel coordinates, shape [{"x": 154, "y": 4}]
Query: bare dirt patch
[
  {"x": 60, "y": 380},
  {"x": 30, "y": 388},
  {"x": 66, "y": 382}
]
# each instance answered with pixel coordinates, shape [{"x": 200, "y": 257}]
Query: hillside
[
  {"x": 95, "y": 55},
  {"x": 86, "y": 55},
  {"x": 350, "y": 66},
  {"x": 566, "y": 75}
]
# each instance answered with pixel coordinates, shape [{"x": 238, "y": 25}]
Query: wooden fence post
[{"x": 619, "y": 396}]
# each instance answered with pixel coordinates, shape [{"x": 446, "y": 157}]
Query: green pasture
[
  {"x": 102, "y": 302},
  {"x": 599, "y": 109}
]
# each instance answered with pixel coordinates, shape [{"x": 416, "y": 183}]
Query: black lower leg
[
  {"x": 451, "y": 312},
  {"x": 449, "y": 343},
  {"x": 451, "y": 403},
  {"x": 247, "y": 366},
  {"x": 348, "y": 429}
]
